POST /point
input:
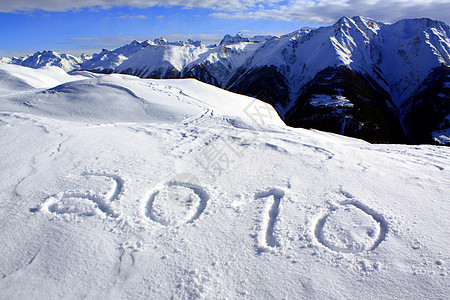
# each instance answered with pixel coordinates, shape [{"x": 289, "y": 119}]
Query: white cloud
[
  {"x": 64, "y": 5},
  {"x": 310, "y": 11},
  {"x": 328, "y": 11},
  {"x": 131, "y": 17}
]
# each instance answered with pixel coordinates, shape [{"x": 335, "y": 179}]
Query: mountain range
[{"x": 358, "y": 77}]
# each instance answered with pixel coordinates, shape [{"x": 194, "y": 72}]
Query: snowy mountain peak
[
  {"x": 194, "y": 43},
  {"x": 107, "y": 60},
  {"x": 6, "y": 60},
  {"x": 134, "y": 43},
  {"x": 357, "y": 26},
  {"x": 367, "y": 22},
  {"x": 411, "y": 27},
  {"x": 229, "y": 40},
  {"x": 48, "y": 58},
  {"x": 164, "y": 42},
  {"x": 344, "y": 22},
  {"x": 260, "y": 38},
  {"x": 298, "y": 33},
  {"x": 84, "y": 57},
  {"x": 160, "y": 41}
]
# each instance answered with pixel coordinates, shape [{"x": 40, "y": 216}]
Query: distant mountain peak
[
  {"x": 229, "y": 40},
  {"x": 47, "y": 58},
  {"x": 160, "y": 41}
]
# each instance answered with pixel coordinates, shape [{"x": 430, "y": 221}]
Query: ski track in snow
[
  {"x": 413, "y": 157},
  {"x": 24, "y": 266},
  {"x": 122, "y": 88},
  {"x": 200, "y": 119},
  {"x": 320, "y": 150}
]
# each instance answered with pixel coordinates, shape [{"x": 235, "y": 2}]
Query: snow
[
  {"x": 109, "y": 60},
  {"x": 117, "y": 187},
  {"x": 123, "y": 98},
  {"x": 442, "y": 137},
  {"x": 5, "y": 60},
  {"x": 349, "y": 229},
  {"x": 47, "y": 58},
  {"x": 238, "y": 38},
  {"x": 330, "y": 101},
  {"x": 16, "y": 78},
  {"x": 160, "y": 56},
  {"x": 155, "y": 59}
]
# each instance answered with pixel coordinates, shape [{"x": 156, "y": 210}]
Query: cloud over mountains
[{"x": 311, "y": 11}]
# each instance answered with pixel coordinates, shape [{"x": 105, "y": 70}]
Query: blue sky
[
  {"x": 91, "y": 30},
  {"x": 90, "y": 25}
]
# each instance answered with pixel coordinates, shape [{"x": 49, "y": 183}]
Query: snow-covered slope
[
  {"x": 16, "y": 79},
  {"x": 123, "y": 98},
  {"x": 116, "y": 187}
]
